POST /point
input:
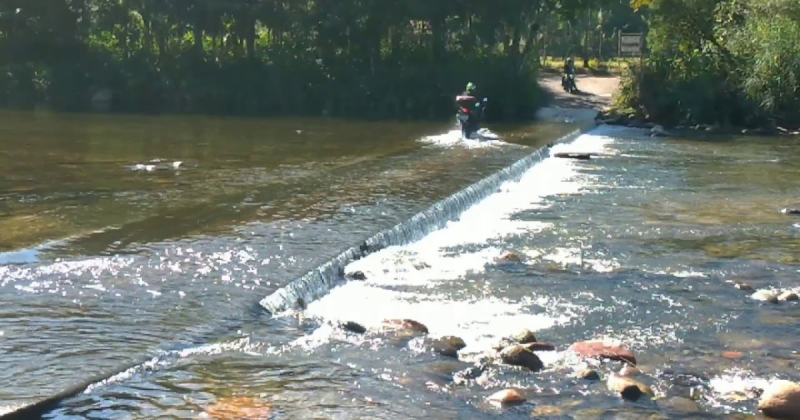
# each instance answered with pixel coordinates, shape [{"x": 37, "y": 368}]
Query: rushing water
[{"x": 636, "y": 245}]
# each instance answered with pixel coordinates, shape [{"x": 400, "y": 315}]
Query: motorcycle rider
[
  {"x": 469, "y": 100},
  {"x": 569, "y": 70}
]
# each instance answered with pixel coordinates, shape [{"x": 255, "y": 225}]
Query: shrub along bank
[{"x": 724, "y": 63}]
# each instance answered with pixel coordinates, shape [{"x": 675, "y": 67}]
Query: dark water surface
[
  {"x": 637, "y": 245},
  {"x": 103, "y": 261}
]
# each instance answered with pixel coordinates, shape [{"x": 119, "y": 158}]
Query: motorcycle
[
  {"x": 468, "y": 119},
  {"x": 568, "y": 83}
]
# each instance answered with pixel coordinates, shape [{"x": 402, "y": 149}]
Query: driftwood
[{"x": 579, "y": 156}]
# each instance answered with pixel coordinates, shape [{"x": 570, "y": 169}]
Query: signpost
[{"x": 631, "y": 45}]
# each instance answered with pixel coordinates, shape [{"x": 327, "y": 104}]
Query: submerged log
[{"x": 579, "y": 156}]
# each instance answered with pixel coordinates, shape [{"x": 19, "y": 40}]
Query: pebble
[
  {"x": 506, "y": 397},
  {"x": 733, "y": 355},
  {"x": 589, "y": 375}
]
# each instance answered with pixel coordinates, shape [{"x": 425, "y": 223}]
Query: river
[{"x": 106, "y": 262}]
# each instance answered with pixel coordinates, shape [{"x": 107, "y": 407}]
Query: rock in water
[
  {"x": 353, "y": 327},
  {"x": 589, "y": 375},
  {"x": 788, "y": 296},
  {"x": 741, "y": 285},
  {"x": 238, "y": 408},
  {"x": 410, "y": 326},
  {"x": 781, "y": 400},
  {"x": 520, "y": 356},
  {"x": 602, "y": 349},
  {"x": 627, "y": 388},
  {"x": 793, "y": 212},
  {"x": 629, "y": 371},
  {"x": 524, "y": 337},
  {"x": 509, "y": 258},
  {"x": 658, "y": 131},
  {"x": 539, "y": 347},
  {"x": 506, "y": 397},
  {"x": 765, "y": 296},
  {"x": 505, "y": 342},
  {"x": 732, "y": 355},
  {"x": 448, "y": 346},
  {"x": 357, "y": 275}
]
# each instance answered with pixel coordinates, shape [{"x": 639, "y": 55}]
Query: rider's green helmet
[{"x": 470, "y": 87}]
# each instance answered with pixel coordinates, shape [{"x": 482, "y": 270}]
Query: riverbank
[{"x": 628, "y": 118}]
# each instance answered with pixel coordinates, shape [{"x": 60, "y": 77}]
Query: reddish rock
[
  {"x": 781, "y": 400},
  {"x": 601, "y": 349},
  {"x": 539, "y": 347},
  {"x": 733, "y": 355}
]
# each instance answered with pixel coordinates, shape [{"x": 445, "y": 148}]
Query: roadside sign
[{"x": 631, "y": 44}]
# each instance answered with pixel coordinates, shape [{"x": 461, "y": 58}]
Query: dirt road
[{"x": 595, "y": 92}]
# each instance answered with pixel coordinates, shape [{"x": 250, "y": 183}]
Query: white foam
[
  {"x": 485, "y": 138},
  {"x": 478, "y": 316}
]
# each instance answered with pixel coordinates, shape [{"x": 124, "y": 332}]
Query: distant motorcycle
[
  {"x": 469, "y": 119},
  {"x": 568, "y": 83}
]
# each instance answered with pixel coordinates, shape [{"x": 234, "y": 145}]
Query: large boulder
[
  {"x": 603, "y": 349},
  {"x": 781, "y": 400}
]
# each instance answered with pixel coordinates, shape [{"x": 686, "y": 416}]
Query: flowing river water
[{"x": 105, "y": 262}]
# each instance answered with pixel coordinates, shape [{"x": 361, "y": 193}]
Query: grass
[{"x": 612, "y": 66}]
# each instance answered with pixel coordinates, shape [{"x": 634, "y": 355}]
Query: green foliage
[
  {"x": 720, "y": 61},
  {"x": 375, "y": 58},
  {"x": 381, "y": 58}
]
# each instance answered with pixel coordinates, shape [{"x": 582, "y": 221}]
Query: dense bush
[
  {"x": 720, "y": 61},
  {"x": 366, "y": 58}
]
